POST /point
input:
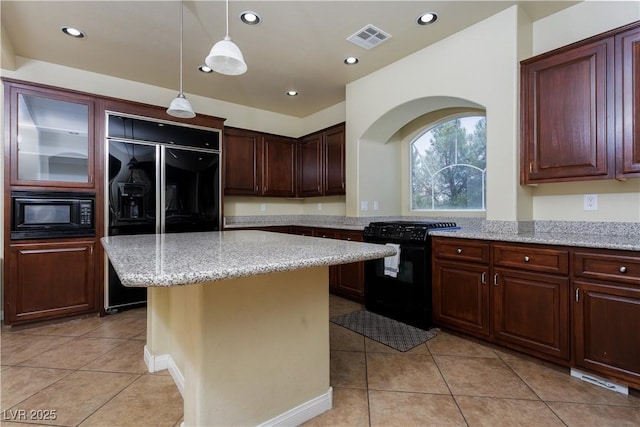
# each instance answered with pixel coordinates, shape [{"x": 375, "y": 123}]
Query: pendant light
[
  {"x": 225, "y": 56},
  {"x": 180, "y": 106}
]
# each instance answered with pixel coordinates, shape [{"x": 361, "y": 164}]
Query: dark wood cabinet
[
  {"x": 461, "y": 296},
  {"x": 346, "y": 280},
  {"x": 258, "y": 164},
  {"x": 512, "y": 294},
  {"x": 531, "y": 310},
  {"x": 567, "y": 114},
  {"x": 310, "y": 165},
  {"x": 575, "y": 307},
  {"x": 50, "y": 279},
  {"x": 606, "y": 313},
  {"x": 279, "y": 162},
  {"x": 627, "y": 62},
  {"x": 321, "y": 163},
  {"x": 52, "y": 137},
  {"x": 530, "y": 298},
  {"x": 242, "y": 153},
  {"x": 580, "y": 109},
  {"x": 460, "y": 291},
  {"x": 334, "y": 161}
]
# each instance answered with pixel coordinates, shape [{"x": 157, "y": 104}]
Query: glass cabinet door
[{"x": 52, "y": 139}]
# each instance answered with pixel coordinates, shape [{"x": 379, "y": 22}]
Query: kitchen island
[{"x": 240, "y": 319}]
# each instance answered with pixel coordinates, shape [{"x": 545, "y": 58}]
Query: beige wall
[
  {"x": 477, "y": 67},
  {"x": 439, "y": 76}
]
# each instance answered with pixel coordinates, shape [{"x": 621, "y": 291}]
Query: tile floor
[{"x": 91, "y": 372}]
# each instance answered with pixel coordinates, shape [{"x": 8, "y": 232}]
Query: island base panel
[{"x": 249, "y": 349}]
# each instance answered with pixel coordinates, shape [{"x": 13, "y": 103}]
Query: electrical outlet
[
  {"x": 376, "y": 205},
  {"x": 364, "y": 205},
  {"x": 263, "y": 207},
  {"x": 319, "y": 206},
  {"x": 590, "y": 202}
]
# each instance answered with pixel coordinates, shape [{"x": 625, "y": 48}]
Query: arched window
[{"x": 448, "y": 165}]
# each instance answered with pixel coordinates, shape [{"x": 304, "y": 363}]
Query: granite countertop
[
  {"x": 190, "y": 258},
  {"x": 603, "y": 241}
]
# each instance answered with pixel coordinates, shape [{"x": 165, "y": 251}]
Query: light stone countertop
[
  {"x": 602, "y": 241},
  {"x": 190, "y": 258}
]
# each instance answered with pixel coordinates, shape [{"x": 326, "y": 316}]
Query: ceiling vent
[{"x": 368, "y": 37}]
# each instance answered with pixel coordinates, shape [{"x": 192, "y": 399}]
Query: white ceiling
[{"x": 298, "y": 45}]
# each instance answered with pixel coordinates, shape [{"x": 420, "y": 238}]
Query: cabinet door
[
  {"x": 461, "y": 296},
  {"x": 532, "y": 311},
  {"x": 606, "y": 319},
  {"x": 242, "y": 153},
  {"x": 279, "y": 166},
  {"x": 52, "y": 137},
  {"x": 567, "y": 115},
  {"x": 48, "y": 280},
  {"x": 334, "y": 164},
  {"x": 310, "y": 166},
  {"x": 351, "y": 276},
  {"x": 628, "y": 103}
]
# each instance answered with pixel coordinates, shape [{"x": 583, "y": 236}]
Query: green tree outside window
[{"x": 448, "y": 166}]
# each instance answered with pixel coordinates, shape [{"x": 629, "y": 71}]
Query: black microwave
[{"x": 52, "y": 215}]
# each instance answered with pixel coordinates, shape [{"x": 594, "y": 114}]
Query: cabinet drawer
[
  {"x": 461, "y": 249},
  {"x": 602, "y": 266},
  {"x": 531, "y": 258}
]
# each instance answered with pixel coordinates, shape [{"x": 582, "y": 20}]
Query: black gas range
[{"x": 400, "y": 287}]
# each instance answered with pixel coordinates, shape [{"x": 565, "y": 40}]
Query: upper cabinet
[
  {"x": 51, "y": 137},
  {"x": 257, "y": 164},
  {"x": 242, "y": 153},
  {"x": 628, "y": 102},
  {"x": 321, "y": 163},
  {"x": 279, "y": 162},
  {"x": 260, "y": 164},
  {"x": 572, "y": 101}
]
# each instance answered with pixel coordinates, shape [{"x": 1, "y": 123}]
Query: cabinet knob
[
  {"x": 526, "y": 259},
  {"x": 459, "y": 251},
  {"x": 623, "y": 269}
]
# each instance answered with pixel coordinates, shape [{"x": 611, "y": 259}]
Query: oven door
[{"x": 406, "y": 297}]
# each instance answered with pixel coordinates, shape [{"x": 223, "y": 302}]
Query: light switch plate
[{"x": 364, "y": 205}]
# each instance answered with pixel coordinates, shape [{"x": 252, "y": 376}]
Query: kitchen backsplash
[{"x": 488, "y": 226}]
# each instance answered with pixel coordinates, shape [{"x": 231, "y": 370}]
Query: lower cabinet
[
  {"x": 48, "y": 280},
  {"x": 606, "y": 314},
  {"x": 504, "y": 293},
  {"x": 346, "y": 280},
  {"x": 461, "y": 296},
  {"x": 531, "y": 310},
  {"x": 576, "y": 307}
]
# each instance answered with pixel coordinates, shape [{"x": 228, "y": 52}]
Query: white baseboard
[
  {"x": 600, "y": 382},
  {"x": 304, "y": 412},
  {"x": 293, "y": 417},
  {"x": 162, "y": 362}
]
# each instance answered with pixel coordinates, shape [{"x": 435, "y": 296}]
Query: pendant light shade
[
  {"x": 180, "y": 106},
  {"x": 225, "y": 56}
]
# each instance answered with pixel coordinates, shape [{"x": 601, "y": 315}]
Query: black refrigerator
[{"x": 162, "y": 178}]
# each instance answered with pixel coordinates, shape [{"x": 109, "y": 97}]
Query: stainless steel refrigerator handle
[{"x": 160, "y": 186}]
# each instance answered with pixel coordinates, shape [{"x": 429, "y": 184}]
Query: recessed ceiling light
[
  {"x": 352, "y": 60},
  {"x": 205, "y": 69},
  {"x": 73, "y": 32},
  {"x": 292, "y": 92},
  {"x": 250, "y": 18},
  {"x": 427, "y": 18}
]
